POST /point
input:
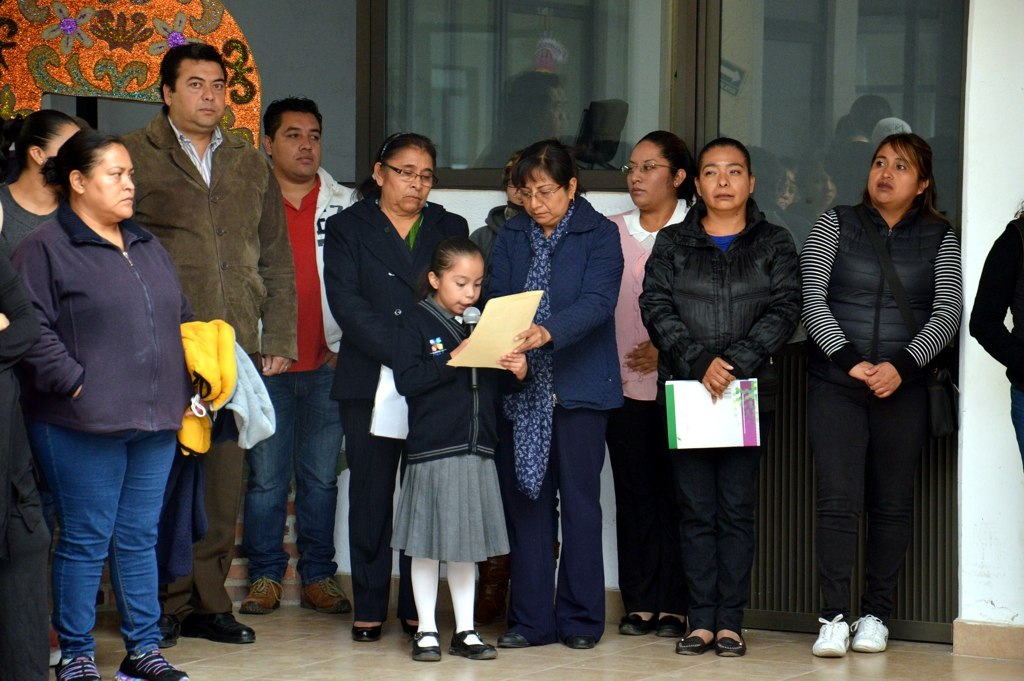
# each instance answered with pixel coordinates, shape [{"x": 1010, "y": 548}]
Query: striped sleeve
[
  {"x": 947, "y": 306},
  {"x": 816, "y": 260}
]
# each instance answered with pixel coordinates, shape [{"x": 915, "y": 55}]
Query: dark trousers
[
  {"x": 647, "y": 511},
  {"x": 574, "y": 479},
  {"x": 203, "y": 592},
  {"x": 24, "y": 610},
  {"x": 373, "y": 463},
  {"x": 866, "y": 452},
  {"x": 717, "y": 493}
]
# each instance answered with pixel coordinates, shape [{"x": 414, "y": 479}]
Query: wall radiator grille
[{"x": 784, "y": 584}]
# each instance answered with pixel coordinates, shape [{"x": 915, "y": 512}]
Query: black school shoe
[
  {"x": 170, "y": 630},
  {"x": 471, "y": 651},
  {"x": 220, "y": 628},
  {"x": 670, "y": 626},
  {"x": 426, "y": 653},
  {"x": 635, "y": 625}
]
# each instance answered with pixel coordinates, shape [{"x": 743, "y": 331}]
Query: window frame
[{"x": 694, "y": 23}]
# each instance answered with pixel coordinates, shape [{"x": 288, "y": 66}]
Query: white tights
[{"x": 461, "y": 583}]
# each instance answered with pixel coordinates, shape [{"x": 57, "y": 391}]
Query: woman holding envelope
[
  {"x": 721, "y": 294},
  {"x": 552, "y": 445},
  {"x": 374, "y": 255}
]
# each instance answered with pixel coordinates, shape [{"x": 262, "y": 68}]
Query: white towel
[{"x": 254, "y": 412}]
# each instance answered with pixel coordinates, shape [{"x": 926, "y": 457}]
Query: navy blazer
[
  {"x": 370, "y": 277},
  {"x": 586, "y": 272}
]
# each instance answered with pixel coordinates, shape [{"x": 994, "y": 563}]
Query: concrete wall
[{"x": 991, "y": 479}]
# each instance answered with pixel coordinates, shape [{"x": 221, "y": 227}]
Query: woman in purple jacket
[{"x": 104, "y": 395}]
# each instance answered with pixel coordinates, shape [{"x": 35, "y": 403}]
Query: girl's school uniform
[{"x": 450, "y": 506}]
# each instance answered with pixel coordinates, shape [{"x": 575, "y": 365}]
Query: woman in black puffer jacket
[
  {"x": 867, "y": 407},
  {"x": 721, "y": 294}
]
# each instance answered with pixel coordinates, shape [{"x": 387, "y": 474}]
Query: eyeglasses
[
  {"x": 543, "y": 196},
  {"x": 408, "y": 176},
  {"x": 643, "y": 168}
]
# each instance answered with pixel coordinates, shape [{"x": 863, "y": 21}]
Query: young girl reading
[{"x": 450, "y": 507}]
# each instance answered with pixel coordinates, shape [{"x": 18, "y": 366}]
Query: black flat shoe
[
  {"x": 170, "y": 630},
  {"x": 409, "y": 629},
  {"x": 471, "y": 651},
  {"x": 221, "y": 628},
  {"x": 694, "y": 645},
  {"x": 670, "y": 627},
  {"x": 730, "y": 647},
  {"x": 513, "y": 640},
  {"x": 635, "y": 625},
  {"x": 366, "y": 634},
  {"x": 426, "y": 653},
  {"x": 580, "y": 642}
]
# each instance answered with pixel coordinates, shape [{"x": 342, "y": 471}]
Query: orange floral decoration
[{"x": 113, "y": 48}]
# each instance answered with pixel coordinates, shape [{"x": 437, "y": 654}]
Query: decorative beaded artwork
[{"x": 112, "y": 49}]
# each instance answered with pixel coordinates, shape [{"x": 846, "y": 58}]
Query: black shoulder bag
[{"x": 942, "y": 391}]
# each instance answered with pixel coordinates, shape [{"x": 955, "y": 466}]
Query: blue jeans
[
  {"x": 308, "y": 440},
  {"x": 1017, "y": 416},
  {"x": 109, "y": 490}
]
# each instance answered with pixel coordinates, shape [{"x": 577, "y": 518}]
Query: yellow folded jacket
[{"x": 210, "y": 358}]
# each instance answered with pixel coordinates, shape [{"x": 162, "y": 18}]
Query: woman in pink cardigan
[{"x": 660, "y": 177}]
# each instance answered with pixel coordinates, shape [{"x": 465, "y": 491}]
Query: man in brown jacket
[{"x": 212, "y": 200}]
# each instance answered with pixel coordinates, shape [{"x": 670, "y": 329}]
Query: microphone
[{"x": 470, "y": 318}]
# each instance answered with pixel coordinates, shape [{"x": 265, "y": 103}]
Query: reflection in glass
[
  {"x": 486, "y": 78},
  {"x": 816, "y": 84}
]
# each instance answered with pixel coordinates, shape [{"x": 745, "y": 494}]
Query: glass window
[
  {"x": 814, "y": 85},
  {"x": 485, "y": 78}
]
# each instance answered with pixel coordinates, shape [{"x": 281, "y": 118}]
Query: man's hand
[
  {"x": 332, "y": 359},
  {"x": 717, "y": 378},
  {"x": 643, "y": 359},
  {"x": 860, "y": 371},
  {"x": 533, "y": 337},
  {"x": 4, "y": 321},
  {"x": 883, "y": 379},
  {"x": 274, "y": 365}
]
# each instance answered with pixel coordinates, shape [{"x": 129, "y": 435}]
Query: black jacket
[
  {"x": 741, "y": 305},
  {"x": 370, "y": 277},
  {"x": 447, "y": 417},
  {"x": 1001, "y": 287},
  {"x": 17, "y": 485}
]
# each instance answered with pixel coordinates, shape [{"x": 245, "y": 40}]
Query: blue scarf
[{"x": 532, "y": 409}]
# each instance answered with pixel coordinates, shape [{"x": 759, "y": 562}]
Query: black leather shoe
[
  {"x": 694, "y": 645},
  {"x": 513, "y": 640},
  {"x": 409, "y": 629},
  {"x": 635, "y": 625},
  {"x": 221, "y": 628},
  {"x": 366, "y": 634},
  {"x": 471, "y": 651},
  {"x": 730, "y": 647},
  {"x": 170, "y": 630},
  {"x": 426, "y": 653},
  {"x": 580, "y": 642},
  {"x": 670, "y": 626}
]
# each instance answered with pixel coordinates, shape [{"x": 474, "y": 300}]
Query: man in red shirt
[{"x": 309, "y": 436}]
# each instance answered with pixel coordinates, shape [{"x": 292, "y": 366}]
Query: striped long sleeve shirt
[{"x": 816, "y": 260}]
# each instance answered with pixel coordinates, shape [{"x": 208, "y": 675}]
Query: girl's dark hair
[
  {"x": 915, "y": 151},
  {"x": 725, "y": 142},
  {"x": 82, "y": 152},
  {"x": 35, "y": 130},
  {"x": 447, "y": 253},
  {"x": 674, "y": 150},
  {"x": 369, "y": 189},
  {"x": 550, "y": 157}
]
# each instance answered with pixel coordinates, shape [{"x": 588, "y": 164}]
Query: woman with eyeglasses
[
  {"x": 375, "y": 253},
  {"x": 659, "y": 177},
  {"x": 552, "y": 438}
]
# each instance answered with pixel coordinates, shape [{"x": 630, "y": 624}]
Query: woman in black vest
[
  {"x": 374, "y": 254},
  {"x": 1002, "y": 287},
  {"x": 867, "y": 410}
]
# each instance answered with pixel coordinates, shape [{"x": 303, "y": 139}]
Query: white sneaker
[
  {"x": 871, "y": 636},
  {"x": 833, "y": 639}
]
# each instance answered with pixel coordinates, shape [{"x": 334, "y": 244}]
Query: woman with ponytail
[{"x": 27, "y": 200}]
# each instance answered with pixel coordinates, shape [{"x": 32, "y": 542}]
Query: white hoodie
[{"x": 333, "y": 198}]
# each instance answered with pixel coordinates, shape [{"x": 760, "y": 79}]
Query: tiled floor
[{"x": 300, "y": 645}]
